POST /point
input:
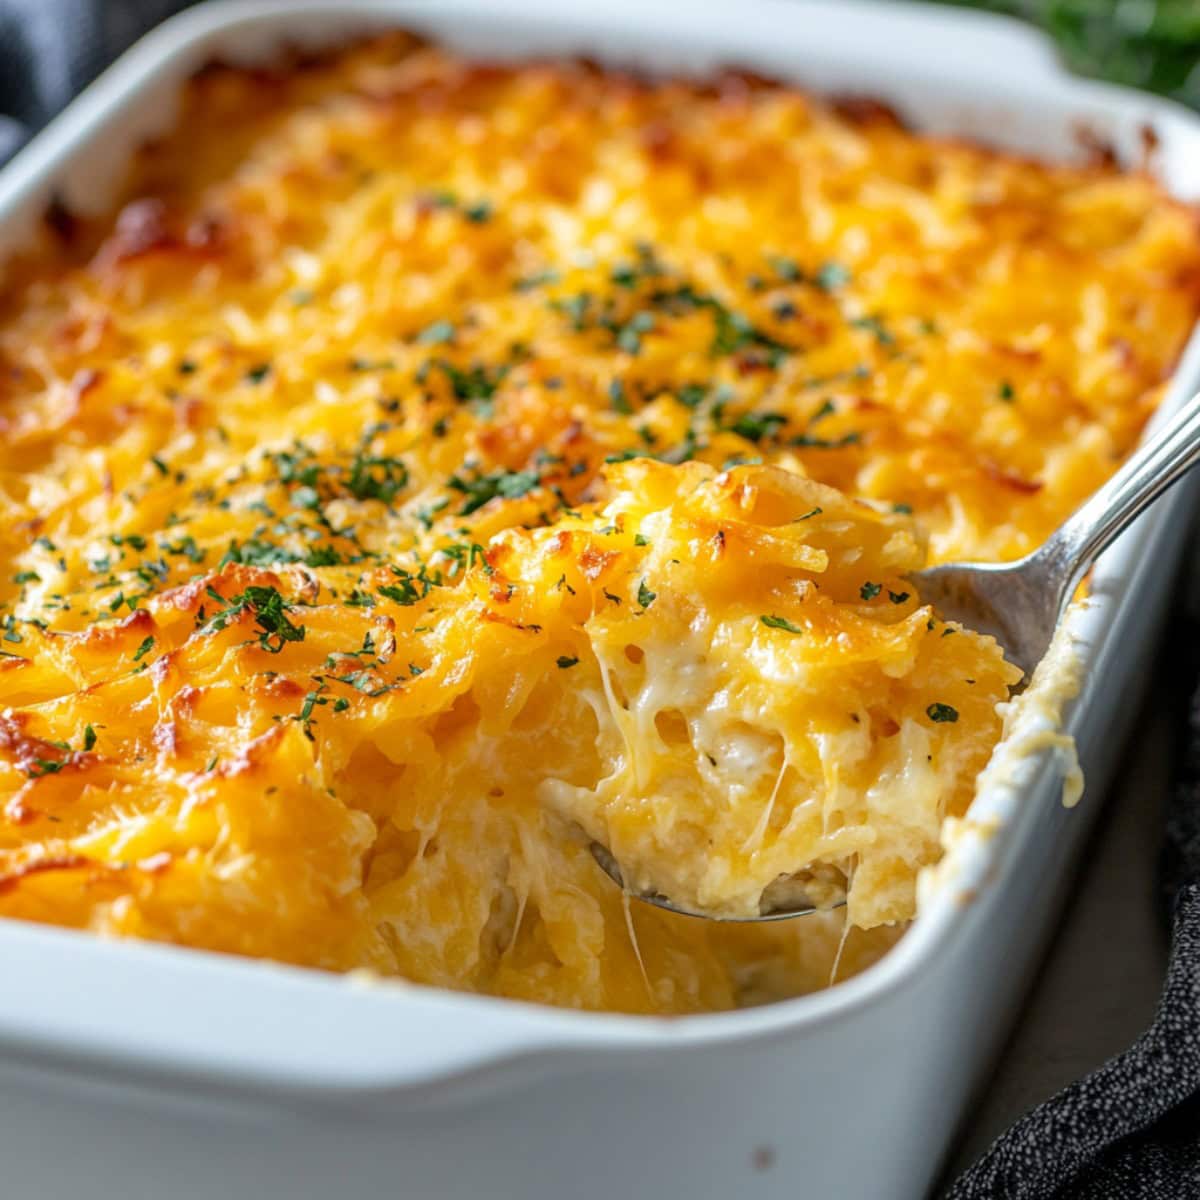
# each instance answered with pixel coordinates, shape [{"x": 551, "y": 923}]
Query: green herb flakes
[
  {"x": 775, "y": 622},
  {"x": 437, "y": 333}
]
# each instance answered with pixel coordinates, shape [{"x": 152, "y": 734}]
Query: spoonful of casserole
[{"x": 866, "y": 697}]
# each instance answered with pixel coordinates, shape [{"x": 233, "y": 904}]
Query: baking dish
[{"x": 316, "y": 1083}]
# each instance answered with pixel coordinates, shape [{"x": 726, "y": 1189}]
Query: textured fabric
[
  {"x": 1129, "y": 1130},
  {"x": 50, "y": 49}
]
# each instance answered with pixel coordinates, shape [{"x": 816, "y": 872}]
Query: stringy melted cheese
[{"x": 335, "y": 623}]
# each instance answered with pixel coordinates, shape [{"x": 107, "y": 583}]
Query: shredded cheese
[{"x": 430, "y": 467}]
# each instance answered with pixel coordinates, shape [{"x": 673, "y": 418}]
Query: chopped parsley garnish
[
  {"x": 376, "y": 478},
  {"x": 258, "y": 373},
  {"x": 735, "y": 332},
  {"x": 576, "y": 307},
  {"x": 478, "y": 491},
  {"x": 322, "y": 556},
  {"x": 870, "y": 590},
  {"x": 941, "y": 713},
  {"x": 618, "y": 399},
  {"x": 528, "y": 282},
  {"x": 832, "y": 275},
  {"x": 808, "y": 441},
  {"x": 426, "y": 513},
  {"x": 89, "y": 738},
  {"x": 476, "y": 383},
  {"x": 786, "y": 268},
  {"x": 624, "y": 276},
  {"x": 645, "y": 597},
  {"x": 407, "y": 591},
  {"x": 755, "y": 427},
  {"x": 307, "y": 497},
  {"x": 256, "y": 553},
  {"x": 144, "y": 649},
  {"x": 629, "y": 335},
  {"x": 45, "y": 766},
  {"x": 361, "y": 681},
  {"x": 437, "y": 333},
  {"x": 306, "y": 709},
  {"x": 440, "y": 198},
  {"x": 186, "y": 547},
  {"x": 773, "y": 622},
  {"x": 565, "y": 660},
  {"x": 1005, "y": 392},
  {"x": 875, "y": 325},
  {"x": 897, "y": 597},
  {"x": 812, "y": 512},
  {"x": 294, "y": 467},
  {"x": 269, "y": 609}
]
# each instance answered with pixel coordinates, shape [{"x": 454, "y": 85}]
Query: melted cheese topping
[{"x": 375, "y": 536}]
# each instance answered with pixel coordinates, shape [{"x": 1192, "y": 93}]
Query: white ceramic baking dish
[{"x": 146, "y": 1071}]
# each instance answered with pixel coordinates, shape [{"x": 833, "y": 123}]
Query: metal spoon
[
  {"x": 1019, "y": 603},
  {"x": 780, "y": 900}
]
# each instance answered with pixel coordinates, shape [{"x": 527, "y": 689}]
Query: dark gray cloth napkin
[
  {"x": 1129, "y": 1130},
  {"x": 50, "y": 49}
]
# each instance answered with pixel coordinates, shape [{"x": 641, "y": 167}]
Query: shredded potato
[{"x": 432, "y": 467}]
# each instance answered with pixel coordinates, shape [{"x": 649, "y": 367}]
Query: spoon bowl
[
  {"x": 1021, "y": 603},
  {"x": 782, "y": 900}
]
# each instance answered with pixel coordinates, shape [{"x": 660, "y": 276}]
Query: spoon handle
[{"x": 1145, "y": 475}]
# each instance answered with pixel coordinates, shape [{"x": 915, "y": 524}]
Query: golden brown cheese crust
[{"x": 278, "y": 439}]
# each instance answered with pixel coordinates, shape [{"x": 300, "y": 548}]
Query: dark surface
[
  {"x": 50, "y": 49},
  {"x": 1099, "y": 993}
]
